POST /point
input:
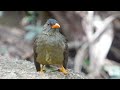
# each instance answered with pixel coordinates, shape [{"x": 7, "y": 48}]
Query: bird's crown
[{"x": 52, "y": 21}]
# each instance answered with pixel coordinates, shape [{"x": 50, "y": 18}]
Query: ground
[{"x": 22, "y": 69}]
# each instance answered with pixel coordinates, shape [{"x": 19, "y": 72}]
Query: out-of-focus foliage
[
  {"x": 86, "y": 62},
  {"x": 32, "y": 32},
  {"x": 31, "y": 25},
  {"x": 1, "y": 13},
  {"x": 113, "y": 71},
  {"x": 3, "y": 50}
]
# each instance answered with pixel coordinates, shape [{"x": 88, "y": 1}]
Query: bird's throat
[{"x": 51, "y": 32}]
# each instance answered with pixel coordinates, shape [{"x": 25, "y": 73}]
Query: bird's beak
[{"x": 55, "y": 26}]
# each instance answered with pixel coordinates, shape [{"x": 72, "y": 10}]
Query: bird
[{"x": 50, "y": 47}]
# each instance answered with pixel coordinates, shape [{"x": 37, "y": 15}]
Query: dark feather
[
  {"x": 37, "y": 65},
  {"x": 65, "y": 55}
]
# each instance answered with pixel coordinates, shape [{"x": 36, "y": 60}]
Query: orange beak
[{"x": 56, "y": 26}]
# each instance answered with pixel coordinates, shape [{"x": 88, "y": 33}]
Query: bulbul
[{"x": 50, "y": 47}]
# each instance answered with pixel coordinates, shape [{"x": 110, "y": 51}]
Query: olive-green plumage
[{"x": 50, "y": 47}]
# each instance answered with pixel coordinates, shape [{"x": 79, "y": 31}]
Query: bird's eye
[{"x": 48, "y": 24}]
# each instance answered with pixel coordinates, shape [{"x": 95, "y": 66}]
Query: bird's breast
[{"x": 50, "y": 50}]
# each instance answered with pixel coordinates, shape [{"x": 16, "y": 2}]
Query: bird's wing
[
  {"x": 65, "y": 55},
  {"x": 37, "y": 65},
  {"x": 34, "y": 49}
]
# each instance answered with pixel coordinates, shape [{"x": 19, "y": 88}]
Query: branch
[
  {"x": 103, "y": 29},
  {"x": 83, "y": 51},
  {"x": 80, "y": 56}
]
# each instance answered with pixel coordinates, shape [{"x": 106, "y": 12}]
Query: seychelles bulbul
[{"x": 50, "y": 47}]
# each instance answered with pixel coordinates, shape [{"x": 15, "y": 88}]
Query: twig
[
  {"x": 103, "y": 29},
  {"x": 81, "y": 52},
  {"x": 80, "y": 56},
  {"x": 75, "y": 44}
]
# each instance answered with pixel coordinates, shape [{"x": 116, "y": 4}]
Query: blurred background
[{"x": 93, "y": 38}]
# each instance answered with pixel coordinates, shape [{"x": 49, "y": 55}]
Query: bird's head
[{"x": 51, "y": 24}]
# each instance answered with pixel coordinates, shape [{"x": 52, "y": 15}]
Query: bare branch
[
  {"x": 106, "y": 22},
  {"x": 83, "y": 51},
  {"x": 80, "y": 56}
]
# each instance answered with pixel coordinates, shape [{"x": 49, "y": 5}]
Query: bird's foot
[
  {"x": 63, "y": 70},
  {"x": 42, "y": 69},
  {"x": 41, "y": 72}
]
